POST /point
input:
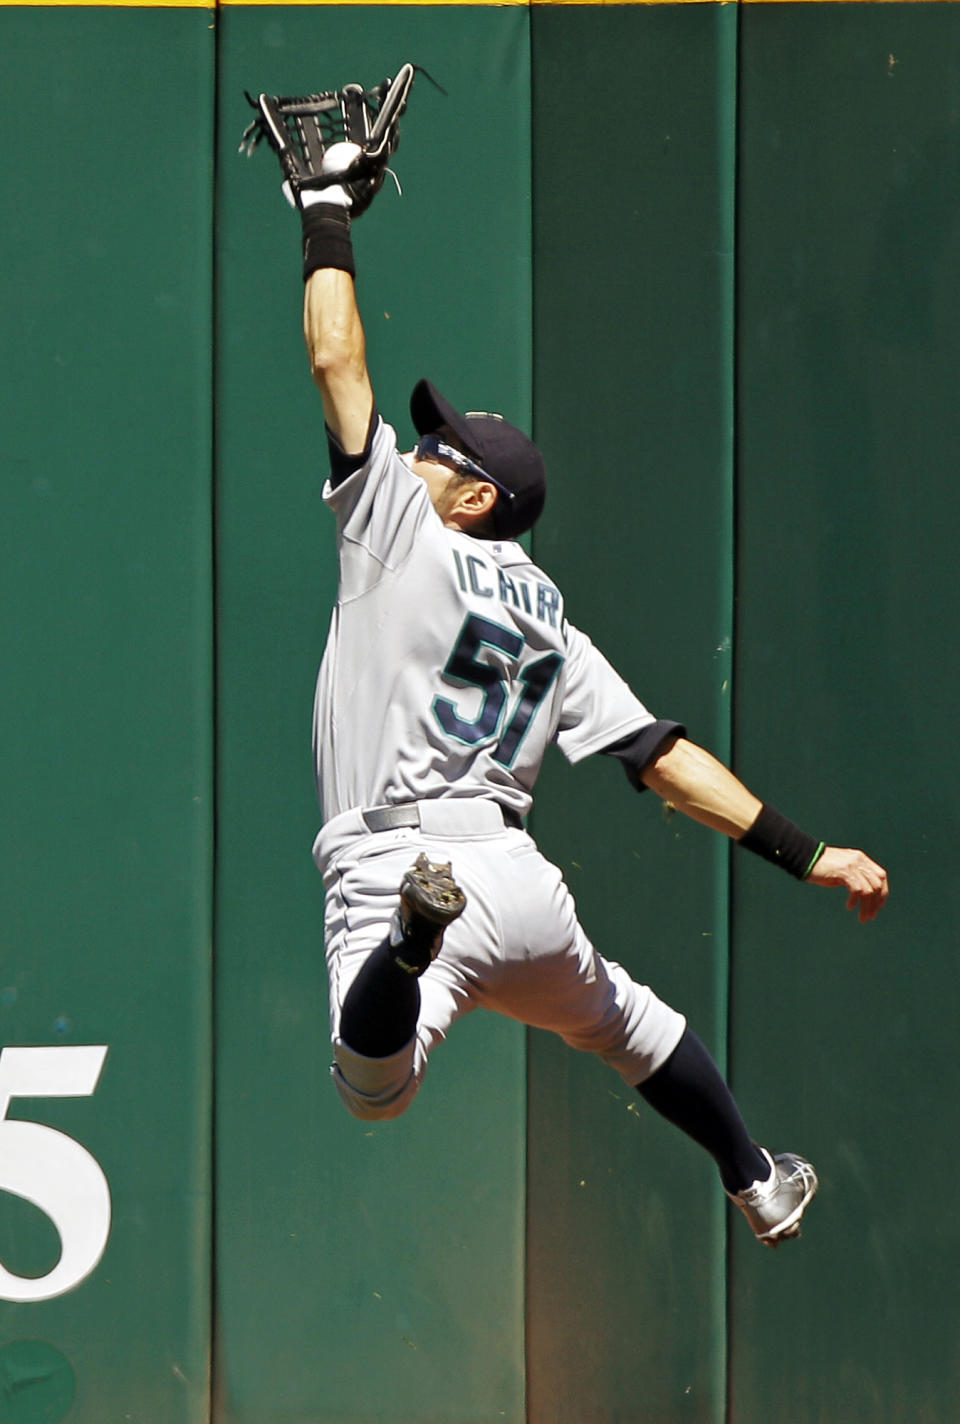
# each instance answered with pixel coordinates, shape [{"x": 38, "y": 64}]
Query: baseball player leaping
[{"x": 450, "y": 667}]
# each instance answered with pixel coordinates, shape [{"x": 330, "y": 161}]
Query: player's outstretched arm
[
  {"x": 334, "y": 148},
  {"x": 336, "y": 347},
  {"x": 693, "y": 781}
]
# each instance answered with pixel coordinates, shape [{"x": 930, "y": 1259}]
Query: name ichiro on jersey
[{"x": 539, "y": 600}]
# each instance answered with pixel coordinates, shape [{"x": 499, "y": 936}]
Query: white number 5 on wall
[{"x": 50, "y": 1169}]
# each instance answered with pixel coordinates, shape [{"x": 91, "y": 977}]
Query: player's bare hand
[{"x": 862, "y": 877}]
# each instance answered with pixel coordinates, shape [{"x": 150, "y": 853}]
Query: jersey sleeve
[
  {"x": 637, "y": 750},
  {"x": 380, "y": 509},
  {"x": 598, "y": 707}
]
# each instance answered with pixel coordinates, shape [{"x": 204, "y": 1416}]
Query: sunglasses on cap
[{"x": 431, "y": 447}]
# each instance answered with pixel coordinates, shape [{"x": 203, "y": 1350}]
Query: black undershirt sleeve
[
  {"x": 640, "y": 748},
  {"x": 342, "y": 465}
]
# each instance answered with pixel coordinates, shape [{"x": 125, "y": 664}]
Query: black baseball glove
[{"x": 302, "y": 131}]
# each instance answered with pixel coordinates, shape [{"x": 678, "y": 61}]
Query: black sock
[
  {"x": 379, "y": 1013},
  {"x": 689, "y": 1091}
]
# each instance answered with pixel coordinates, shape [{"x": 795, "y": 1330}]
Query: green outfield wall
[
  {"x": 710, "y": 255},
  {"x": 633, "y": 339},
  {"x": 107, "y": 742},
  {"x": 848, "y": 424}
]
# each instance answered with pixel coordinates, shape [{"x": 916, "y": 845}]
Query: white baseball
[{"x": 338, "y": 158}]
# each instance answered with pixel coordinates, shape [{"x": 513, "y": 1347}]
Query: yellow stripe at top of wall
[{"x": 114, "y": 4}]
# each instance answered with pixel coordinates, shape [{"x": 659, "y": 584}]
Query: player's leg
[
  {"x": 379, "y": 1013},
  {"x": 380, "y": 1009},
  {"x": 595, "y": 1006},
  {"x": 689, "y": 1091},
  {"x": 551, "y": 976},
  {"x": 389, "y": 1004}
]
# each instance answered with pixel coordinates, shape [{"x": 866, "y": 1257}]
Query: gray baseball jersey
[{"x": 449, "y": 666}]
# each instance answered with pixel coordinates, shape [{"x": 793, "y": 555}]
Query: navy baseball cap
[{"x": 508, "y": 456}]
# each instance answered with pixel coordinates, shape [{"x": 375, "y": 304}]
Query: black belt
[{"x": 395, "y": 818}]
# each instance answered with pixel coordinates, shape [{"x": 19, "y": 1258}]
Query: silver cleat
[{"x": 775, "y": 1208}]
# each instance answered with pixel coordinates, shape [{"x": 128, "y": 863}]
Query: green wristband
[{"x": 817, "y": 854}]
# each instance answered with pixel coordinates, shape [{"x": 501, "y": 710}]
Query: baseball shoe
[
  {"x": 430, "y": 899},
  {"x": 775, "y": 1208}
]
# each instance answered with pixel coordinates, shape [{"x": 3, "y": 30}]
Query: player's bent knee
[
  {"x": 374, "y": 1089},
  {"x": 372, "y": 1109},
  {"x": 359, "y": 1107}
]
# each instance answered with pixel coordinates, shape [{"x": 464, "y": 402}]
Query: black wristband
[
  {"x": 326, "y": 238},
  {"x": 782, "y": 843}
]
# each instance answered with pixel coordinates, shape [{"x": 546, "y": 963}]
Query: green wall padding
[
  {"x": 366, "y": 1271},
  {"x": 849, "y": 429},
  {"x": 632, "y": 344},
  {"x": 105, "y": 833}
]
